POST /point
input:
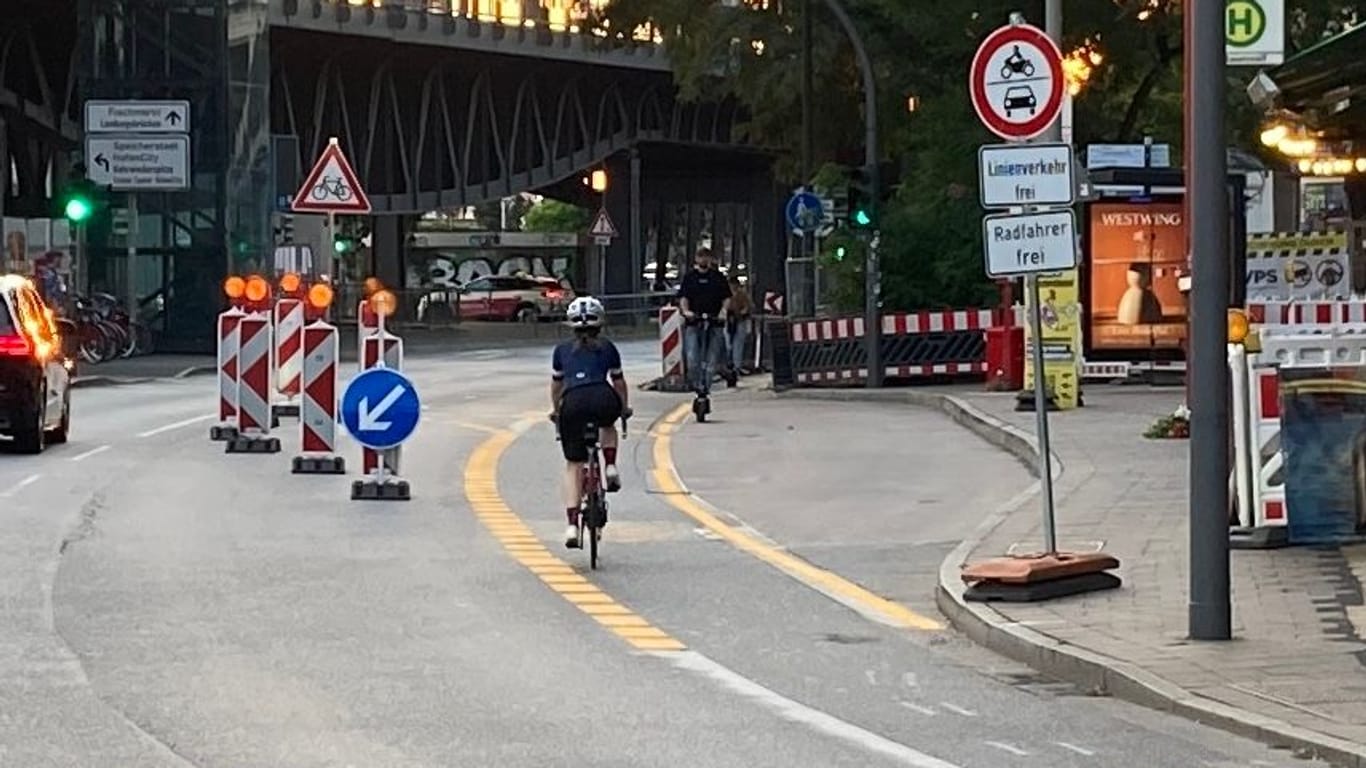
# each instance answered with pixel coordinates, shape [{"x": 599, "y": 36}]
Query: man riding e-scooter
[{"x": 704, "y": 298}]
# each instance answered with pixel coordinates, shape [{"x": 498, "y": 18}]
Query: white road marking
[
  {"x": 908, "y": 679},
  {"x": 871, "y": 674},
  {"x": 927, "y": 711},
  {"x": 1014, "y": 750},
  {"x": 30, "y": 480},
  {"x": 797, "y": 712},
  {"x": 957, "y": 709},
  {"x": 1075, "y": 748},
  {"x": 177, "y": 425},
  {"x": 89, "y": 453}
]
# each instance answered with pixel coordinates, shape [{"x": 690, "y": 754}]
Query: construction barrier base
[
  {"x": 997, "y": 592},
  {"x": 319, "y": 465},
  {"x": 1024, "y": 402},
  {"x": 373, "y": 490},
  {"x": 249, "y": 444},
  {"x": 1259, "y": 537},
  {"x": 284, "y": 411},
  {"x": 673, "y": 383},
  {"x": 222, "y": 434}
]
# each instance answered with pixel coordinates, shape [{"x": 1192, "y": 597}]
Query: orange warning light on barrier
[
  {"x": 320, "y": 296},
  {"x": 289, "y": 282},
  {"x": 372, "y": 286},
  {"x": 234, "y": 287},
  {"x": 257, "y": 289},
  {"x": 384, "y": 303},
  {"x": 1238, "y": 327}
]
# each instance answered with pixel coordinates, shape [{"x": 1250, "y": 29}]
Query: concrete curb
[
  {"x": 82, "y": 382},
  {"x": 196, "y": 370},
  {"x": 1092, "y": 671}
]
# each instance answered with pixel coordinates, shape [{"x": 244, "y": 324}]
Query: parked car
[
  {"x": 499, "y": 297},
  {"x": 35, "y": 375}
]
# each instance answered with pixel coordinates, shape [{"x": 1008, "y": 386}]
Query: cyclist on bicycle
[
  {"x": 587, "y": 385},
  {"x": 704, "y": 291}
]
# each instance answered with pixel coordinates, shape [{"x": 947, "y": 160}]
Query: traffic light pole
[{"x": 872, "y": 309}]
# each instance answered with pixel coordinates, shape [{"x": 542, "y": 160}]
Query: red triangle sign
[{"x": 332, "y": 186}]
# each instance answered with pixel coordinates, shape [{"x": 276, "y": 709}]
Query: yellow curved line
[
  {"x": 666, "y": 477},
  {"x": 481, "y": 491}
]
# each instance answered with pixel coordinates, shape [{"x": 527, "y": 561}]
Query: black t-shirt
[{"x": 706, "y": 292}]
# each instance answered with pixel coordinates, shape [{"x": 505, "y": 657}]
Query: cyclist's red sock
[
  {"x": 573, "y": 514},
  {"x": 609, "y": 455}
]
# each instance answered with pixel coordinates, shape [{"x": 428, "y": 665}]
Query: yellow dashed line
[
  {"x": 481, "y": 489},
  {"x": 673, "y": 491}
]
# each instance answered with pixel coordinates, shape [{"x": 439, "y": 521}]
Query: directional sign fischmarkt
[
  {"x": 1026, "y": 174},
  {"x": 138, "y": 162},
  {"x": 137, "y": 116}
]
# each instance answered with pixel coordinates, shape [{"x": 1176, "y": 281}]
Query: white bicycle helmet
[{"x": 585, "y": 312}]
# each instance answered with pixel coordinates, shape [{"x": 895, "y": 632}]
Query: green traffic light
[
  {"x": 839, "y": 253},
  {"x": 862, "y": 218},
  {"x": 78, "y": 209},
  {"x": 340, "y": 245}
]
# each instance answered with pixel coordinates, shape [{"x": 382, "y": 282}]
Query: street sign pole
[
  {"x": 1052, "y": 16},
  {"x": 1207, "y": 187}
]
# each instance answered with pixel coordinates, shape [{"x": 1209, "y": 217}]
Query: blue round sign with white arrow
[{"x": 380, "y": 408}]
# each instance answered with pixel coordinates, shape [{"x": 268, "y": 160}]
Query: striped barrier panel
[
  {"x": 227, "y": 374},
  {"x": 318, "y": 407},
  {"x": 392, "y": 358},
  {"x": 289, "y": 328},
  {"x": 254, "y": 418},
  {"x": 671, "y": 341},
  {"x": 914, "y": 344}
]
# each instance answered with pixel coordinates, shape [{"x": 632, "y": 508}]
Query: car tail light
[
  {"x": 553, "y": 293},
  {"x": 14, "y": 345}
]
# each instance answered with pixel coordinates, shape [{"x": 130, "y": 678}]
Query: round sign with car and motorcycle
[{"x": 1016, "y": 82}]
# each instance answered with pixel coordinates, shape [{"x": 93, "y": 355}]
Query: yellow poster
[{"x": 1061, "y": 322}]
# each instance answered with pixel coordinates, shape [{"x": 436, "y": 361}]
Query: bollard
[
  {"x": 289, "y": 327},
  {"x": 318, "y": 406},
  {"x": 253, "y": 388},
  {"x": 226, "y": 428},
  {"x": 370, "y": 358}
]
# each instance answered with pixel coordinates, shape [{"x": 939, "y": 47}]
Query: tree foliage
[
  {"x": 931, "y": 234},
  {"x": 549, "y": 215}
]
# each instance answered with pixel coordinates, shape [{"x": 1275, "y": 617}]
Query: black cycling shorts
[{"x": 594, "y": 403}]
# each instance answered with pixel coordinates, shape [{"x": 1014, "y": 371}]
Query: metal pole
[
  {"x": 1207, "y": 190},
  {"x": 809, "y": 265},
  {"x": 130, "y": 290},
  {"x": 1050, "y": 536},
  {"x": 872, "y": 310}
]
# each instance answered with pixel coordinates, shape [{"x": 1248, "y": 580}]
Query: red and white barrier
[
  {"x": 671, "y": 341},
  {"x": 774, "y": 303},
  {"x": 367, "y": 325},
  {"x": 1258, "y": 487},
  {"x": 392, "y": 358},
  {"x": 289, "y": 328},
  {"x": 318, "y": 406},
  {"x": 253, "y": 387},
  {"x": 227, "y": 373},
  {"x": 1308, "y": 313}
]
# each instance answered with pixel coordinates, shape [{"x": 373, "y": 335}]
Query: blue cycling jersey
[{"x": 579, "y": 365}]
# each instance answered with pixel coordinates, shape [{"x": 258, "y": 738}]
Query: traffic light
[
  {"x": 342, "y": 244},
  {"x": 78, "y": 200},
  {"x": 840, "y": 253},
  {"x": 863, "y": 199}
]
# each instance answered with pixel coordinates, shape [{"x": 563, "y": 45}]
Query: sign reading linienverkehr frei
[{"x": 1026, "y": 174}]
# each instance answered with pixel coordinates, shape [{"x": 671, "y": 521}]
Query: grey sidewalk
[{"x": 1292, "y": 677}]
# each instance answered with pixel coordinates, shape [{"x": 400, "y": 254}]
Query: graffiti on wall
[{"x": 450, "y": 270}]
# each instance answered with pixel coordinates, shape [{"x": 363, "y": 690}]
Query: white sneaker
[
  {"x": 613, "y": 478},
  {"x": 571, "y": 537}
]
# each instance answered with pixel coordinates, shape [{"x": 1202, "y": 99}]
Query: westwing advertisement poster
[{"x": 1137, "y": 251}]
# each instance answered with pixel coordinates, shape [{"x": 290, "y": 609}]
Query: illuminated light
[
  {"x": 1297, "y": 147},
  {"x": 1306, "y": 166},
  {"x": 384, "y": 303},
  {"x": 257, "y": 288},
  {"x": 289, "y": 283},
  {"x": 912, "y": 103},
  {"x": 320, "y": 296},
  {"x": 598, "y": 181},
  {"x": 1238, "y": 327},
  {"x": 1274, "y": 135},
  {"x": 1079, "y": 65},
  {"x": 1342, "y": 166},
  {"x": 1361, "y": 165},
  {"x": 372, "y": 284},
  {"x": 78, "y": 209},
  {"x": 234, "y": 287}
]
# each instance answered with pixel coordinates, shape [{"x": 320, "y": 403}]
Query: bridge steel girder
[
  {"x": 432, "y": 129},
  {"x": 455, "y": 24},
  {"x": 38, "y": 110}
]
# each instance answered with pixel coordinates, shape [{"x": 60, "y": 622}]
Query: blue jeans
[
  {"x": 692, "y": 354},
  {"x": 738, "y": 336}
]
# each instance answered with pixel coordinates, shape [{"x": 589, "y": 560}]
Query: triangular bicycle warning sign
[
  {"x": 331, "y": 187},
  {"x": 602, "y": 225}
]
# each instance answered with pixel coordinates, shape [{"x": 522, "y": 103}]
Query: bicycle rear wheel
[{"x": 596, "y": 514}]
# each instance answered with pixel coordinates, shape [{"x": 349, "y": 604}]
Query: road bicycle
[
  {"x": 331, "y": 185},
  {"x": 593, "y": 504}
]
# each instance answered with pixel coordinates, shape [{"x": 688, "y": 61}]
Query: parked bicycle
[{"x": 99, "y": 329}]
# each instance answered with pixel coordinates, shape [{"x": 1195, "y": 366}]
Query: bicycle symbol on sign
[{"x": 333, "y": 186}]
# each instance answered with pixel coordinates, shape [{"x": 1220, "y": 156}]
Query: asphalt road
[{"x": 165, "y": 604}]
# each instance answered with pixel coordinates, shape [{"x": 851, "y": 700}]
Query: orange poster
[{"x": 1137, "y": 252}]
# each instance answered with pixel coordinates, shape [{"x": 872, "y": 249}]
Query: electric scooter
[{"x": 701, "y": 404}]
